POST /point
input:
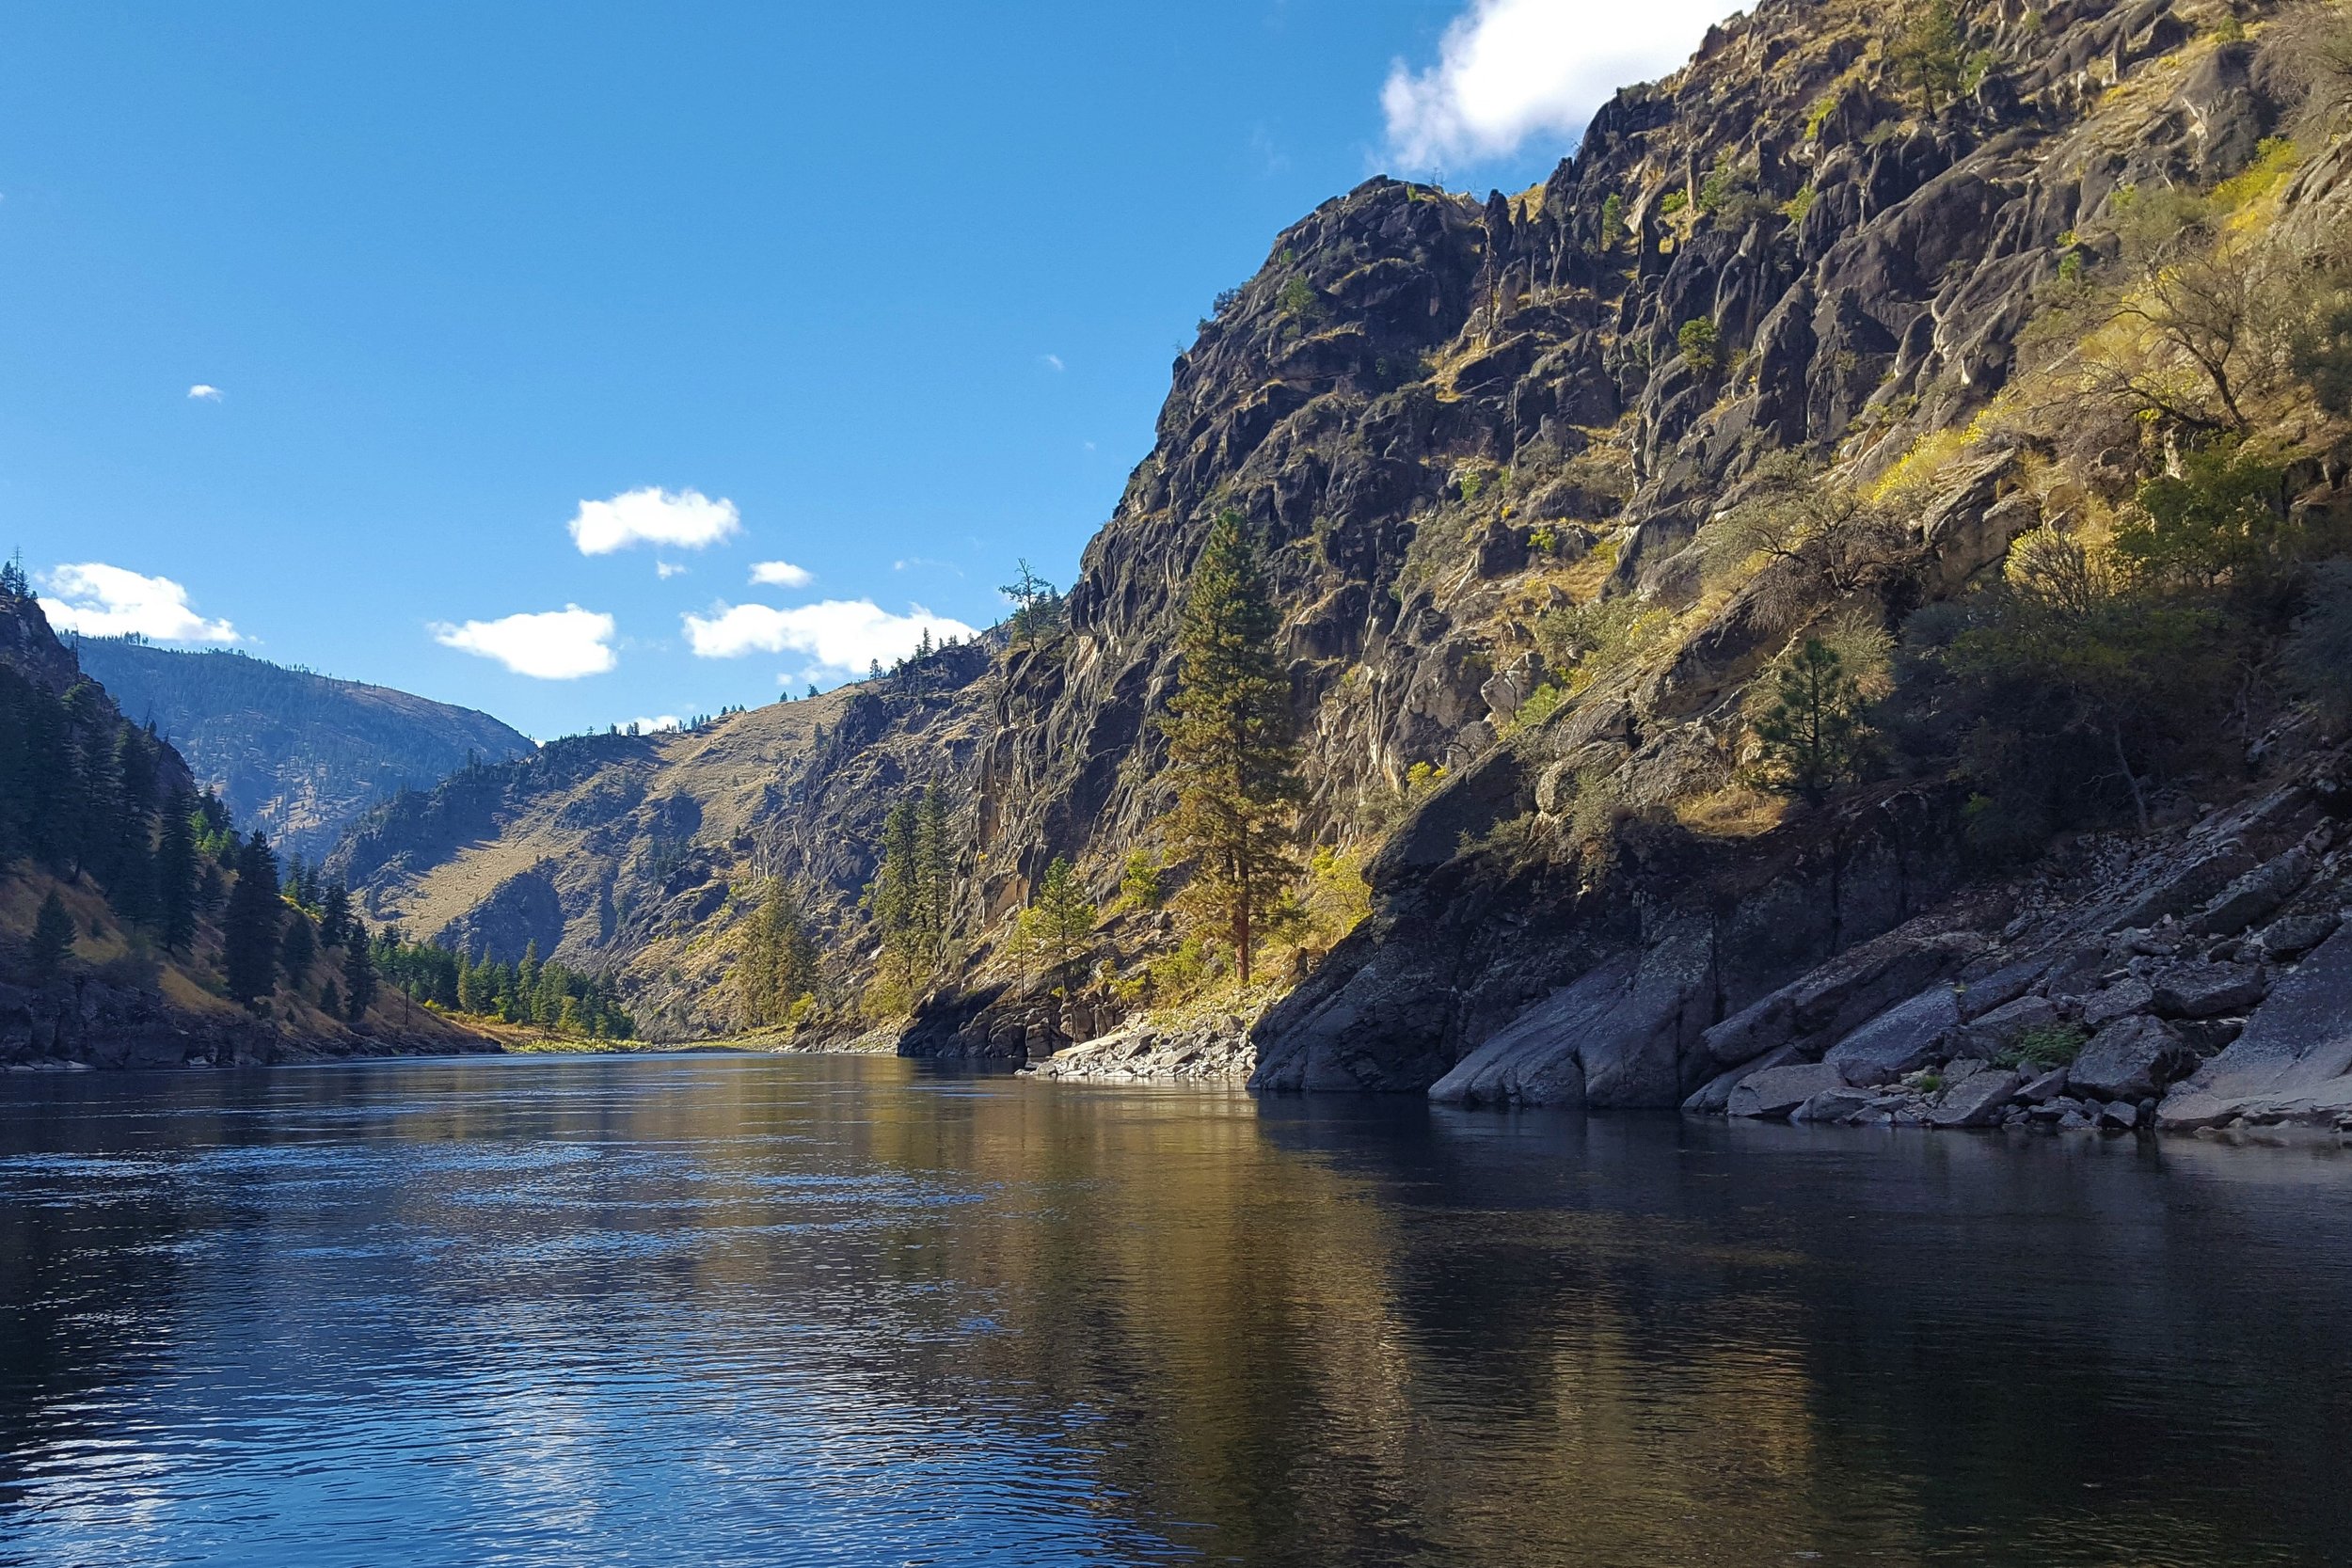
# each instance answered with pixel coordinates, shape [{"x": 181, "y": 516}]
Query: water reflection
[{"x": 752, "y": 1310}]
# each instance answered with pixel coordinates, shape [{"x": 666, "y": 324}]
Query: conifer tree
[
  {"x": 1060, "y": 922},
  {"x": 52, "y": 938},
  {"x": 335, "y": 915},
  {"x": 358, "y": 974},
  {"x": 249, "y": 926},
  {"x": 1232, "y": 752},
  {"x": 1813, "y": 735},
  {"x": 298, "y": 949},
  {"x": 176, "y": 873}
]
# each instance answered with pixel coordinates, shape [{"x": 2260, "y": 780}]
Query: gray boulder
[
  {"x": 2285, "y": 941},
  {"x": 1829, "y": 1002},
  {"x": 1976, "y": 1101},
  {"x": 1902, "y": 1039},
  {"x": 2256, "y": 896},
  {"x": 1713, "y": 1098},
  {"x": 2130, "y": 1059},
  {"x": 2001, "y": 1028},
  {"x": 2047, "y": 1087},
  {"x": 1775, "y": 1092},
  {"x": 1832, "y": 1106},
  {"x": 2293, "y": 1062},
  {"x": 2000, "y": 988},
  {"x": 2180, "y": 891},
  {"x": 2207, "y": 990},
  {"x": 2127, "y": 996}
]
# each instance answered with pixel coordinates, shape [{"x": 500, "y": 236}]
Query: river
[{"x": 712, "y": 1309}]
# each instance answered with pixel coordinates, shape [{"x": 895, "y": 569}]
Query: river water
[{"x": 716, "y": 1309}]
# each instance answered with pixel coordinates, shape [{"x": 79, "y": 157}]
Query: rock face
[
  {"x": 2293, "y": 1064},
  {"x": 298, "y": 755},
  {"x": 1444, "y": 418}
]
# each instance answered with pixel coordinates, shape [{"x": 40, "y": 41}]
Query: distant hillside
[{"x": 296, "y": 754}]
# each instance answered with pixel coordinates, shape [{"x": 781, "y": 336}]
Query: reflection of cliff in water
[{"x": 1331, "y": 1331}]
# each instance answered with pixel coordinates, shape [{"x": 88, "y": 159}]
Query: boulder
[
  {"x": 2000, "y": 988},
  {"x": 2285, "y": 941},
  {"x": 1836, "y": 998},
  {"x": 2125, "y": 997},
  {"x": 2207, "y": 990},
  {"x": 2293, "y": 1064},
  {"x": 1976, "y": 1101},
  {"x": 2256, "y": 896},
  {"x": 1713, "y": 1098},
  {"x": 1775, "y": 1092},
  {"x": 2131, "y": 1058},
  {"x": 2186, "y": 888},
  {"x": 1617, "y": 1035},
  {"x": 1902, "y": 1039},
  {"x": 2001, "y": 1028},
  {"x": 2119, "y": 1116},
  {"x": 1832, "y": 1106},
  {"x": 2045, "y": 1088}
]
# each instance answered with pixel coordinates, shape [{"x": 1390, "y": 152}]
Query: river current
[{"x": 715, "y": 1310}]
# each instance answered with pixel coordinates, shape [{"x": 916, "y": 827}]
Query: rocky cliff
[
  {"x": 298, "y": 755},
  {"x": 1452, "y": 422}
]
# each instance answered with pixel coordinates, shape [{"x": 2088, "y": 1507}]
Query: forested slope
[{"x": 296, "y": 755}]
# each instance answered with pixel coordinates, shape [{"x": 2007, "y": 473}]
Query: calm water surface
[{"x": 713, "y": 1309}]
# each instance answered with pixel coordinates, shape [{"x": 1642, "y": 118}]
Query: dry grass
[{"x": 1735, "y": 810}]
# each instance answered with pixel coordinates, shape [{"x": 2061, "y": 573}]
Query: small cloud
[
  {"x": 99, "y": 600},
  {"x": 552, "y": 645},
  {"x": 1052, "y": 362},
  {"x": 204, "y": 393},
  {"x": 1511, "y": 70},
  {"x": 910, "y": 562},
  {"x": 841, "y": 635},
  {"x": 659, "y": 722},
  {"x": 665, "y": 570},
  {"x": 688, "y": 519},
  {"x": 782, "y": 574}
]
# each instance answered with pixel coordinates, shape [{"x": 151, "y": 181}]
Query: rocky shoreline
[{"x": 1212, "y": 1049}]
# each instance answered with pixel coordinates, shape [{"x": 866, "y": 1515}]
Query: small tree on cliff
[
  {"x": 1812, "y": 731},
  {"x": 1231, "y": 748},
  {"x": 52, "y": 938},
  {"x": 1059, "y": 923},
  {"x": 358, "y": 974}
]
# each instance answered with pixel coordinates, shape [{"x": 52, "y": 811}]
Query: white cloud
[
  {"x": 1509, "y": 70},
  {"x": 552, "y": 645},
  {"x": 686, "y": 518},
  {"x": 1053, "y": 361},
  {"x": 782, "y": 574},
  {"x": 204, "y": 393},
  {"x": 99, "y": 600},
  {"x": 839, "y": 634},
  {"x": 659, "y": 722},
  {"x": 665, "y": 570}
]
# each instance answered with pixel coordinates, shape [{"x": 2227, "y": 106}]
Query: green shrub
[
  {"x": 2049, "y": 1046},
  {"x": 1702, "y": 347}
]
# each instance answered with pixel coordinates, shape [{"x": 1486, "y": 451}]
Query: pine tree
[
  {"x": 249, "y": 926},
  {"x": 1930, "y": 53},
  {"x": 1062, "y": 923},
  {"x": 176, "y": 881},
  {"x": 1230, "y": 748},
  {"x": 776, "y": 964},
  {"x": 935, "y": 876},
  {"x": 358, "y": 974},
  {"x": 330, "y": 1000},
  {"x": 52, "y": 938},
  {"x": 298, "y": 949},
  {"x": 335, "y": 915},
  {"x": 1813, "y": 735}
]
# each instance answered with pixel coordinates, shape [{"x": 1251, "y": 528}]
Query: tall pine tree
[
  {"x": 250, "y": 925},
  {"x": 176, "y": 873},
  {"x": 1230, "y": 747}
]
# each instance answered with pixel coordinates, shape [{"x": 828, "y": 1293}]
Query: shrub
[
  {"x": 1541, "y": 704},
  {"x": 1702, "y": 349},
  {"x": 2051, "y": 1045}
]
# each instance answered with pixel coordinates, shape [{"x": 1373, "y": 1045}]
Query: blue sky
[{"x": 371, "y": 327}]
